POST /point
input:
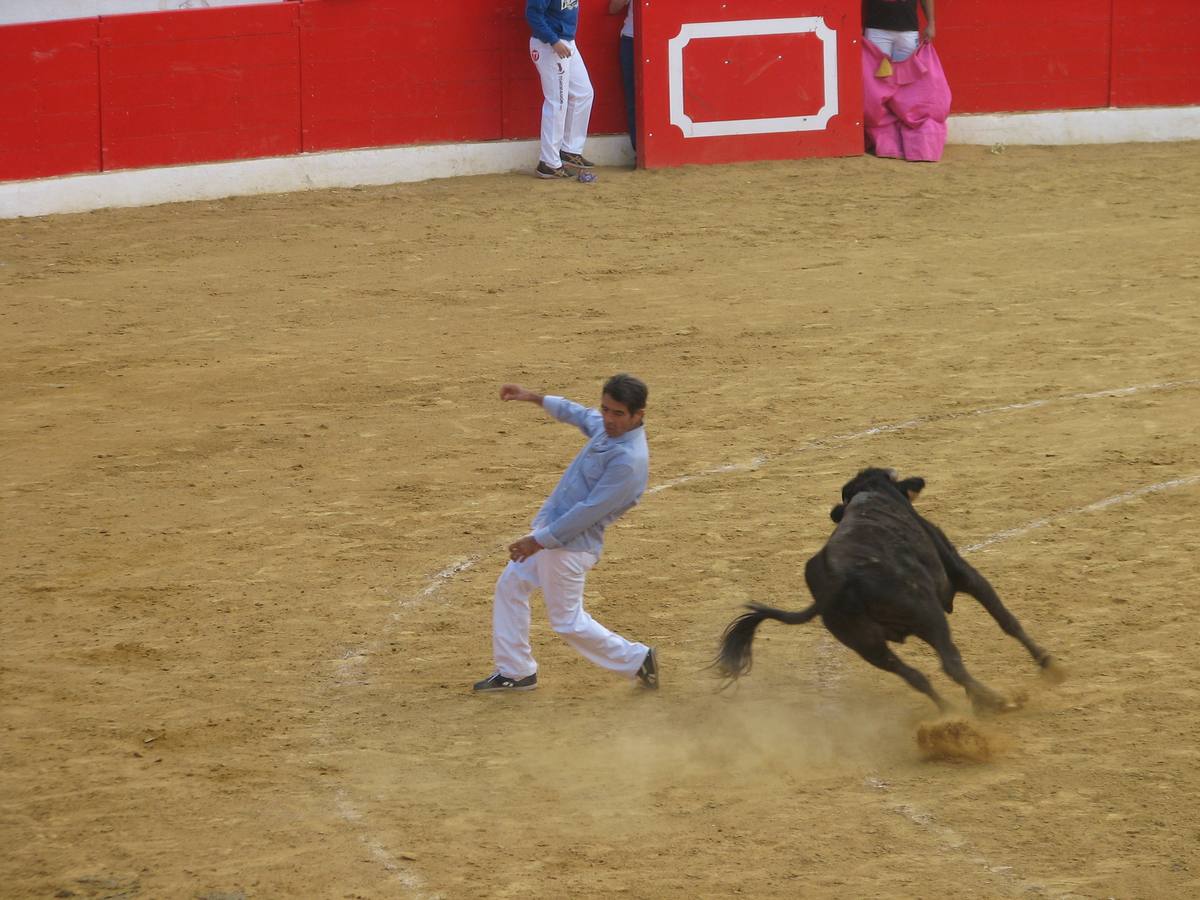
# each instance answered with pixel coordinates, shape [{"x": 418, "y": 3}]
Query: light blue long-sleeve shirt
[{"x": 605, "y": 479}]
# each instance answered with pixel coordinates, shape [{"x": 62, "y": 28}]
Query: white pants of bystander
[
  {"x": 896, "y": 45},
  {"x": 568, "y": 105},
  {"x": 560, "y": 574}
]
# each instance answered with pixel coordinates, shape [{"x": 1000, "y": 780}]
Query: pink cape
[{"x": 905, "y": 112}]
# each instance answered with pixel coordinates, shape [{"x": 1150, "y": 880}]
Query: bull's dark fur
[{"x": 884, "y": 574}]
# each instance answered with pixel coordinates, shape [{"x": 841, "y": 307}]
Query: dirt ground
[{"x": 256, "y": 483}]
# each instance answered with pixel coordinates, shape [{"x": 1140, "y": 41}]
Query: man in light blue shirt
[{"x": 604, "y": 480}]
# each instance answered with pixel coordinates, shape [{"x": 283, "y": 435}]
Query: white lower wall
[
  {"x": 1079, "y": 126},
  {"x": 351, "y": 168},
  {"x": 283, "y": 174}
]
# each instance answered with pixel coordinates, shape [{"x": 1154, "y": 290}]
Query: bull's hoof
[
  {"x": 991, "y": 704},
  {"x": 1053, "y": 672}
]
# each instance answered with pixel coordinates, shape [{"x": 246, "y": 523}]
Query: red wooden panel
[
  {"x": 200, "y": 54},
  {"x": 200, "y": 85},
  {"x": 784, "y": 72},
  {"x": 176, "y": 119},
  {"x": 376, "y": 74},
  {"x": 743, "y": 93},
  {"x": 49, "y": 117},
  {"x": 1046, "y": 63},
  {"x": 52, "y": 160},
  {"x": 1135, "y": 35},
  {"x": 1132, "y": 92},
  {"x": 192, "y": 89},
  {"x": 1156, "y": 45},
  {"x": 1163, "y": 11},
  {"x": 1027, "y": 97},
  {"x": 1156, "y": 66},
  {"x": 987, "y": 14},
  {"x": 337, "y": 28},
  {"x": 222, "y": 144},
  {"x": 198, "y": 24}
]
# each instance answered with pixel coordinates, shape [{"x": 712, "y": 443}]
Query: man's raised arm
[
  {"x": 586, "y": 420},
  {"x": 516, "y": 392}
]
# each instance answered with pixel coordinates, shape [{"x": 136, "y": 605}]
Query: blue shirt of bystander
[{"x": 552, "y": 20}]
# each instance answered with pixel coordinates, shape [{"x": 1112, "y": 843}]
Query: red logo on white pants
[{"x": 535, "y": 54}]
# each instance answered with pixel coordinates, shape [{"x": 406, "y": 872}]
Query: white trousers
[
  {"x": 896, "y": 45},
  {"x": 560, "y": 574},
  {"x": 568, "y": 105}
]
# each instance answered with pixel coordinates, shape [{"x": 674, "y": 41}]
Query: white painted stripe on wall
[
  {"x": 16, "y": 12},
  {"x": 751, "y": 28},
  {"x": 392, "y": 165}
]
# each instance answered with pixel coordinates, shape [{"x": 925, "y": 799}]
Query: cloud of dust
[{"x": 715, "y": 743}]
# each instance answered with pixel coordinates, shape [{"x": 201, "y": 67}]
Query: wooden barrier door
[{"x": 725, "y": 82}]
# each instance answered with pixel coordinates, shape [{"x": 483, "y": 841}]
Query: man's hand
[
  {"x": 930, "y": 31},
  {"x": 562, "y": 49},
  {"x": 516, "y": 392},
  {"x": 523, "y": 549}
]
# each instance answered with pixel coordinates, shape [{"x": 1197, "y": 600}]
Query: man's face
[{"x": 617, "y": 417}]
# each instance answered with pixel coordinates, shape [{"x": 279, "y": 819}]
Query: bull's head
[{"x": 881, "y": 480}]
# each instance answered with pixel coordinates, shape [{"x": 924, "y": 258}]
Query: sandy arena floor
[{"x": 256, "y": 484}]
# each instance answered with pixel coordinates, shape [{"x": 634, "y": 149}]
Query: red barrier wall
[
  {"x": 1026, "y": 55},
  {"x": 1155, "y": 47},
  {"x": 229, "y": 83},
  {"x": 49, "y": 99},
  {"x": 186, "y": 88},
  {"x": 375, "y": 74}
]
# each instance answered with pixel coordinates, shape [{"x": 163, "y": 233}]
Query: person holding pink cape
[{"x": 906, "y": 97}]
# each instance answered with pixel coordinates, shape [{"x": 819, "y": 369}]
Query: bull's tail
[{"x": 734, "y": 658}]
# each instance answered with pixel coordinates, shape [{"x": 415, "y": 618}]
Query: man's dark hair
[{"x": 627, "y": 390}]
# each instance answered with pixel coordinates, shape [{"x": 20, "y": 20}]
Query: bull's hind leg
[
  {"x": 983, "y": 698},
  {"x": 969, "y": 581},
  {"x": 868, "y": 639},
  {"x": 881, "y": 656}
]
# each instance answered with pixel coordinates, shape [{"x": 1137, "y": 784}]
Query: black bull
[{"x": 884, "y": 574}]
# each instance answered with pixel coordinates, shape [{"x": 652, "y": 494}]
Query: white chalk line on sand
[
  {"x": 891, "y": 428},
  {"x": 954, "y": 842},
  {"x": 351, "y": 814},
  {"x": 1091, "y": 507},
  {"x": 347, "y": 669}
]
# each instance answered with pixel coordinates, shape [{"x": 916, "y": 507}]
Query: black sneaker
[
  {"x": 545, "y": 170},
  {"x": 576, "y": 161},
  {"x": 498, "y": 682},
  {"x": 648, "y": 673}
]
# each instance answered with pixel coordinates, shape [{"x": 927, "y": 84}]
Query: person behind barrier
[
  {"x": 906, "y": 99},
  {"x": 625, "y": 56},
  {"x": 565, "y": 85},
  {"x": 893, "y": 26}
]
